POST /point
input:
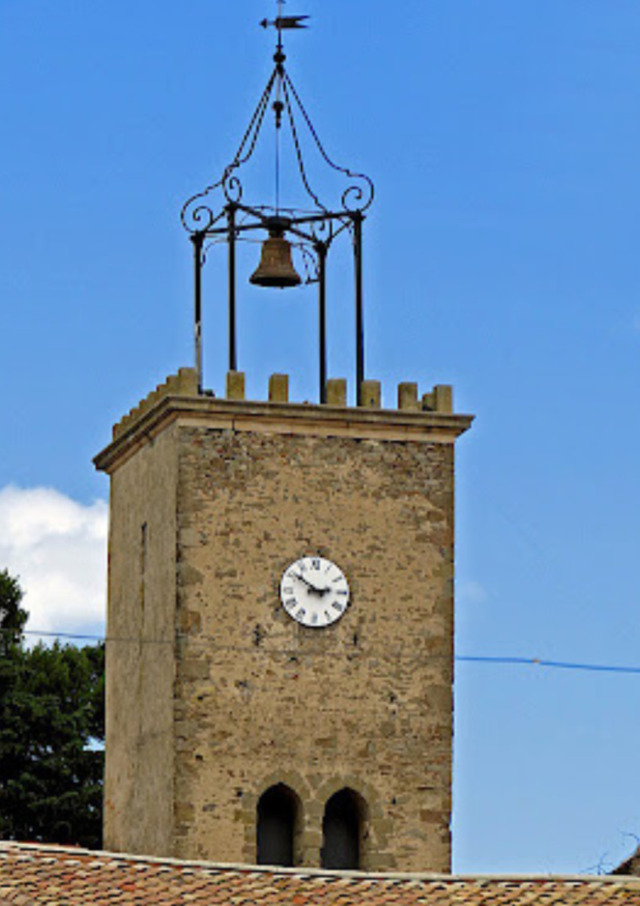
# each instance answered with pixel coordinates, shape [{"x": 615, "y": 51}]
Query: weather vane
[
  {"x": 310, "y": 232},
  {"x": 284, "y": 22}
]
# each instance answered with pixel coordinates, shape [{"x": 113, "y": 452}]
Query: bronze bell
[{"x": 276, "y": 267}]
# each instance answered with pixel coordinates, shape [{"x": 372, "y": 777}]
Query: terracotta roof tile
[{"x": 31, "y": 875}]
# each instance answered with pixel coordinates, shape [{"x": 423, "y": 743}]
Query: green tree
[
  {"x": 12, "y": 616},
  {"x": 51, "y": 733}
]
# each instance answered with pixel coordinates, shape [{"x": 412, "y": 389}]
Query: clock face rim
[{"x": 330, "y": 610}]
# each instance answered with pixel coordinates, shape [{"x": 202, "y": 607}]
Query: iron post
[
  {"x": 357, "y": 255},
  {"x": 231, "y": 225},
  {"x": 198, "y": 240},
  {"x": 321, "y": 250}
]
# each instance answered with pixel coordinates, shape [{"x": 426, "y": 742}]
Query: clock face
[{"x": 314, "y": 592}]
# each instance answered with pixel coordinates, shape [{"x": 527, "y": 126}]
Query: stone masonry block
[
  {"x": 429, "y": 401},
  {"x": 407, "y": 396},
  {"x": 186, "y": 382},
  {"x": 443, "y": 398},
  {"x": 370, "y": 394},
  {"x": 337, "y": 392},
  {"x": 235, "y": 385},
  {"x": 279, "y": 388}
]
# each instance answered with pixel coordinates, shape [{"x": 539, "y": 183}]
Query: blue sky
[{"x": 501, "y": 256}]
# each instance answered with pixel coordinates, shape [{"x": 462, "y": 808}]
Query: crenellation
[
  {"x": 444, "y": 398},
  {"x": 370, "y": 395},
  {"x": 279, "y": 388},
  {"x": 184, "y": 383},
  {"x": 440, "y": 399},
  {"x": 235, "y": 385},
  {"x": 408, "y": 396},
  {"x": 337, "y": 392}
]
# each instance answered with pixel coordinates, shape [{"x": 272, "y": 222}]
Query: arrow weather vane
[{"x": 285, "y": 22}]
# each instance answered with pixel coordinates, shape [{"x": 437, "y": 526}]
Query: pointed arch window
[
  {"x": 342, "y": 830},
  {"x": 277, "y": 823}
]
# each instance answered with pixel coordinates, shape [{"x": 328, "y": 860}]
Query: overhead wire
[{"x": 211, "y": 643}]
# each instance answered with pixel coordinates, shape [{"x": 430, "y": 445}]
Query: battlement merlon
[{"x": 428, "y": 419}]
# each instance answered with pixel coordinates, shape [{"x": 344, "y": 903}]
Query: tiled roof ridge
[{"x": 71, "y": 853}]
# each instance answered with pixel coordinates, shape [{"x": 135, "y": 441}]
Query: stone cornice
[{"x": 281, "y": 418}]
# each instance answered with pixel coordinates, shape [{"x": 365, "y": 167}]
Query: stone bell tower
[
  {"x": 237, "y": 729},
  {"x": 280, "y": 625}
]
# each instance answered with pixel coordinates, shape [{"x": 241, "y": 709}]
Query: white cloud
[{"x": 58, "y": 550}]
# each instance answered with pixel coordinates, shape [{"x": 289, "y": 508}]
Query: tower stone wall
[
  {"x": 138, "y": 804},
  {"x": 214, "y": 694}
]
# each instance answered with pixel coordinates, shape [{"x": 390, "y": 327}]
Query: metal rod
[
  {"x": 321, "y": 249},
  {"x": 264, "y": 218},
  {"x": 291, "y": 226},
  {"x": 244, "y": 228},
  {"x": 231, "y": 229},
  {"x": 357, "y": 254},
  {"x": 198, "y": 239}
]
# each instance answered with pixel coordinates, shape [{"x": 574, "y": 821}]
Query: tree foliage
[
  {"x": 12, "y": 616},
  {"x": 51, "y": 734}
]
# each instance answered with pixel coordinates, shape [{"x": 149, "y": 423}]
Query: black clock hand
[
  {"x": 300, "y": 576},
  {"x": 319, "y": 591}
]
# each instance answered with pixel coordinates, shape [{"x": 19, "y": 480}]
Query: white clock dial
[{"x": 314, "y": 592}]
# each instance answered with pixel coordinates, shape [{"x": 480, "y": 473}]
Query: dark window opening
[
  {"x": 341, "y": 831},
  {"x": 277, "y": 819}
]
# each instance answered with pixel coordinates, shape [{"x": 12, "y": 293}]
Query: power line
[
  {"x": 62, "y": 635},
  {"x": 498, "y": 660},
  {"x": 541, "y": 662}
]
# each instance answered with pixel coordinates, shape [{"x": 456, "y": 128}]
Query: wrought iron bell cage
[{"x": 312, "y": 231}]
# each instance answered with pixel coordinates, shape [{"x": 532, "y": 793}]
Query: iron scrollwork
[{"x": 197, "y": 215}]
